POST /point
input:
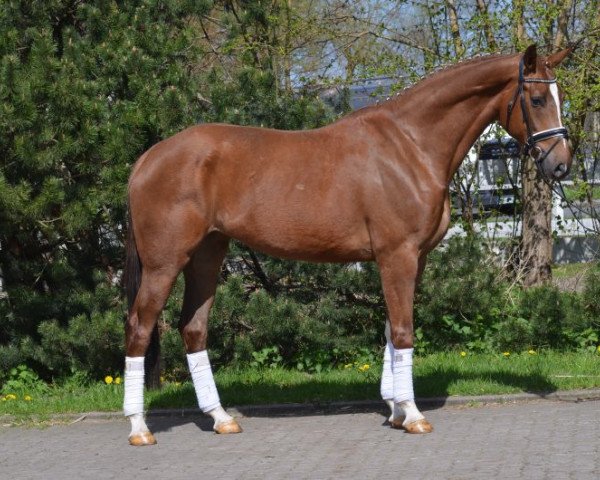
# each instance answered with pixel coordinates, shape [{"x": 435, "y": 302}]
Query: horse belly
[{"x": 302, "y": 233}]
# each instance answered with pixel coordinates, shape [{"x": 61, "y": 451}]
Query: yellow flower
[
  {"x": 118, "y": 381},
  {"x": 531, "y": 352},
  {"x": 463, "y": 354},
  {"x": 108, "y": 379},
  {"x": 598, "y": 349},
  {"x": 10, "y": 396},
  {"x": 364, "y": 368},
  {"x": 348, "y": 365},
  {"x": 506, "y": 354},
  {"x": 27, "y": 398}
]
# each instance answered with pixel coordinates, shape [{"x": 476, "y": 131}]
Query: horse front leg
[{"x": 400, "y": 272}]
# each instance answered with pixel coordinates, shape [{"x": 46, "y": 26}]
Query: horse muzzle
[{"x": 553, "y": 162}]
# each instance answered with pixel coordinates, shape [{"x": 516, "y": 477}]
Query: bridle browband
[{"x": 533, "y": 138}]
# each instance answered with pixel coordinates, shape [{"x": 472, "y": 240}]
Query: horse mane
[
  {"x": 434, "y": 73},
  {"x": 444, "y": 68}
]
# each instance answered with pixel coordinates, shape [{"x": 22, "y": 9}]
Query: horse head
[{"x": 533, "y": 116}]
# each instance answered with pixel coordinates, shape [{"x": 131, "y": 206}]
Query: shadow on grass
[
  {"x": 438, "y": 385},
  {"x": 315, "y": 397}
]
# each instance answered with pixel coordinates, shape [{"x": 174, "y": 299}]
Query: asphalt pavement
[{"x": 539, "y": 439}]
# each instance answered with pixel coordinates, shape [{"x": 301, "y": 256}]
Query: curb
[
  {"x": 344, "y": 407},
  {"x": 426, "y": 403}
]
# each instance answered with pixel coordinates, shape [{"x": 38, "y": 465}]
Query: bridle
[{"x": 533, "y": 138}]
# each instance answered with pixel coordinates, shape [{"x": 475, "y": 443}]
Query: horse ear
[
  {"x": 556, "y": 58},
  {"x": 530, "y": 59}
]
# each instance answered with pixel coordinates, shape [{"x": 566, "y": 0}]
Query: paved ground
[{"x": 547, "y": 439}]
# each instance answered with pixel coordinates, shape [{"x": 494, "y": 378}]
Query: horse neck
[{"x": 445, "y": 114}]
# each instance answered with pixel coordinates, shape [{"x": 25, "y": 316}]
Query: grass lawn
[
  {"x": 437, "y": 375},
  {"x": 569, "y": 270}
]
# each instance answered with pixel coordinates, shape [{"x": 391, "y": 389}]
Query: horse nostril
[{"x": 560, "y": 170}]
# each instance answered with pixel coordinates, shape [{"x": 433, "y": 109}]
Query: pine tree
[{"x": 85, "y": 88}]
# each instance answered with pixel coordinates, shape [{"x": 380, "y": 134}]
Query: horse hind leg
[
  {"x": 154, "y": 289},
  {"x": 201, "y": 275}
]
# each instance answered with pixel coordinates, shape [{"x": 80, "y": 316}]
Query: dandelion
[
  {"x": 364, "y": 368},
  {"x": 108, "y": 379},
  {"x": 506, "y": 354},
  {"x": 463, "y": 354},
  {"x": 531, "y": 352},
  {"x": 11, "y": 396},
  {"x": 118, "y": 381},
  {"x": 27, "y": 398}
]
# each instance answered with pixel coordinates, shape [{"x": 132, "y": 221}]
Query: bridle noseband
[{"x": 533, "y": 138}]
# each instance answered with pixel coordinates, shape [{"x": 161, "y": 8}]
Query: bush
[
  {"x": 556, "y": 318},
  {"x": 513, "y": 334},
  {"x": 460, "y": 297},
  {"x": 21, "y": 380},
  {"x": 243, "y": 323},
  {"x": 91, "y": 344},
  {"x": 591, "y": 293}
]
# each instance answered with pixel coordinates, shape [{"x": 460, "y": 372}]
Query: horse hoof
[
  {"x": 397, "y": 423},
  {"x": 141, "y": 439},
  {"x": 228, "y": 427},
  {"x": 418, "y": 426}
]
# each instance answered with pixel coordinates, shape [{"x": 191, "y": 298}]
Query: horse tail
[
  {"x": 133, "y": 265},
  {"x": 132, "y": 281}
]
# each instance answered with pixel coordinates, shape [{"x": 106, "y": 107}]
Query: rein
[{"x": 533, "y": 138}]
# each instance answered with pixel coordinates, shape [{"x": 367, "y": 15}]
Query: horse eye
[{"x": 538, "y": 101}]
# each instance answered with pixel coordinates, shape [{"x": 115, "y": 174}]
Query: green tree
[{"x": 85, "y": 88}]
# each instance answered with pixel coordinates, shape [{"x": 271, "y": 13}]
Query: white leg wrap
[
  {"x": 133, "y": 402},
  {"x": 402, "y": 370},
  {"x": 404, "y": 395},
  {"x": 204, "y": 383},
  {"x": 387, "y": 376},
  {"x": 219, "y": 415},
  {"x": 387, "y": 382},
  {"x": 138, "y": 425},
  {"x": 411, "y": 412}
]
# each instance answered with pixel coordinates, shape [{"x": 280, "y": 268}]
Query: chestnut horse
[{"x": 372, "y": 186}]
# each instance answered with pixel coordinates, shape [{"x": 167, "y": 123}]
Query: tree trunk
[
  {"x": 519, "y": 35},
  {"x": 535, "y": 260},
  {"x": 487, "y": 25},
  {"x": 536, "y": 238},
  {"x": 459, "y": 48},
  {"x": 562, "y": 21}
]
